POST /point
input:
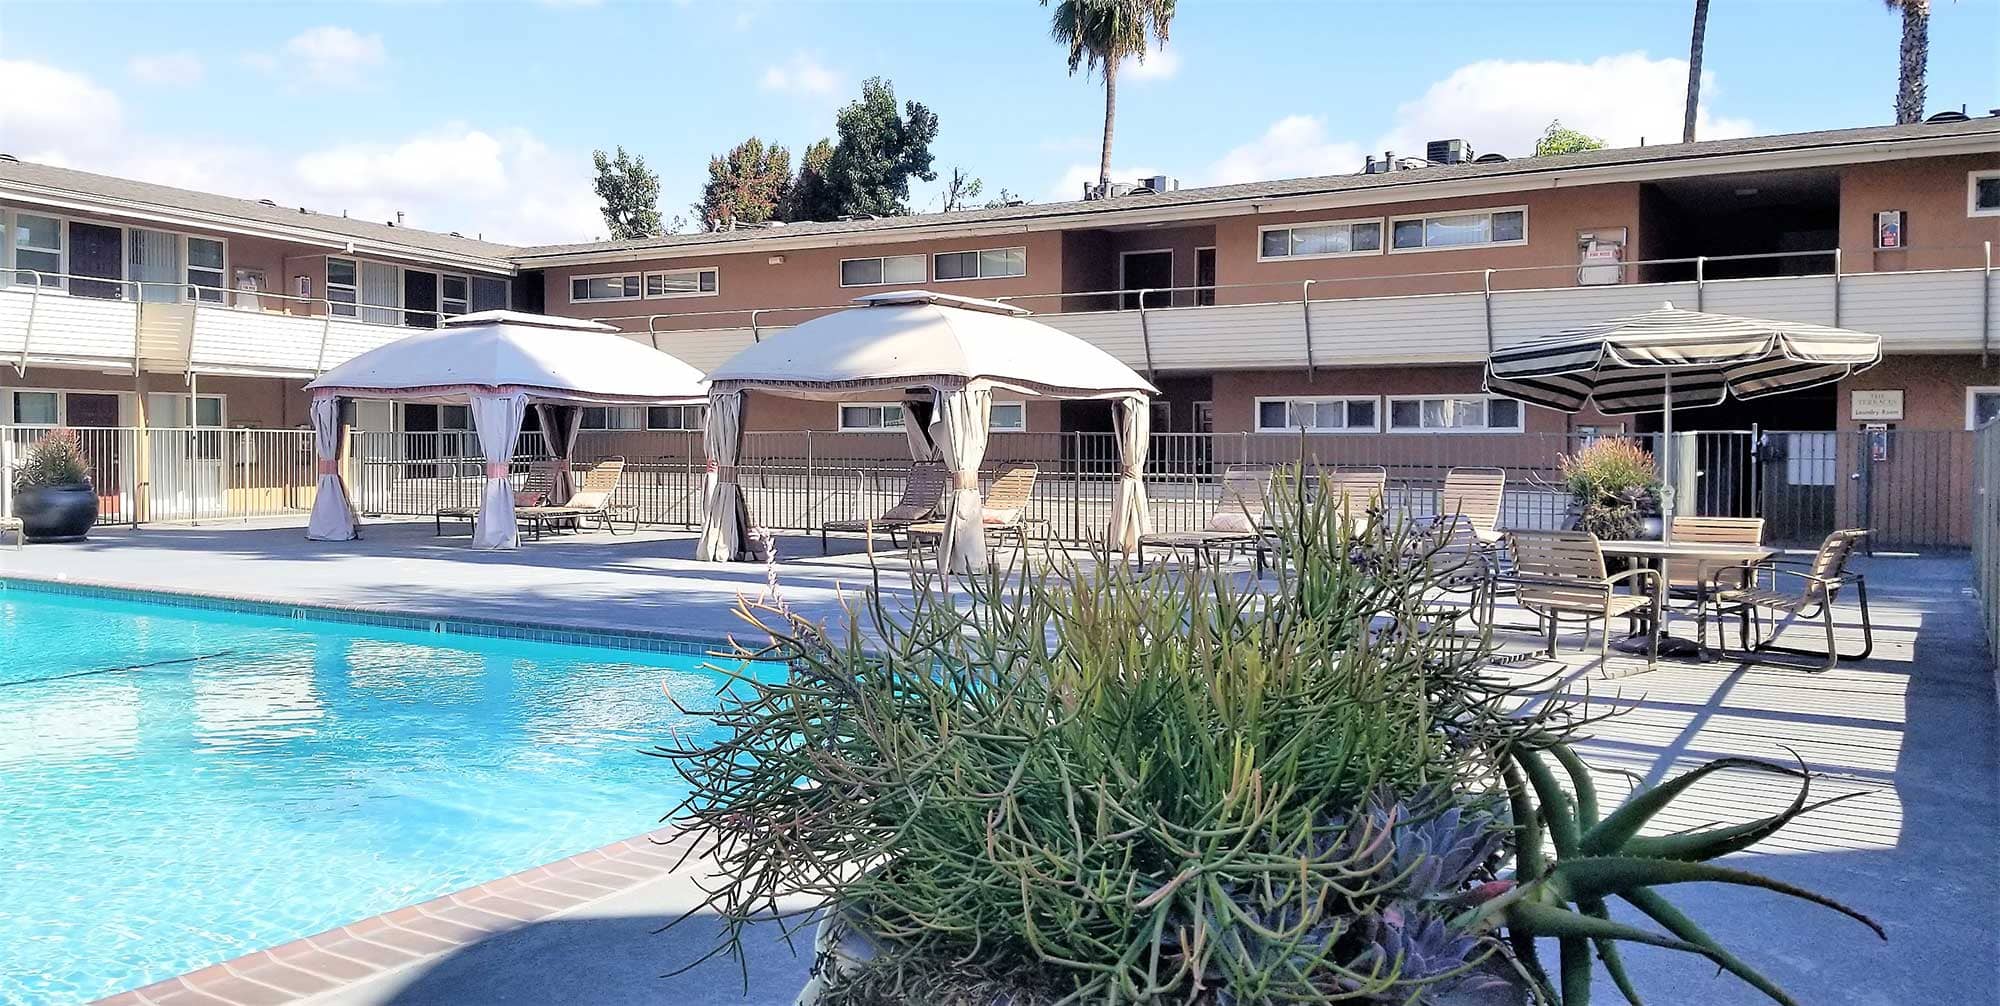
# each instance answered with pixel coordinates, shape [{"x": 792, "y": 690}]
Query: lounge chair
[
  {"x": 923, "y": 492},
  {"x": 1475, "y": 494},
  {"x": 536, "y": 488},
  {"x": 1006, "y": 506},
  {"x": 1238, "y": 518},
  {"x": 1561, "y": 573},
  {"x": 592, "y": 499},
  {"x": 1360, "y": 491},
  {"x": 1747, "y": 589}
]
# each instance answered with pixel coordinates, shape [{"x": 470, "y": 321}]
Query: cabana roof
[
  {"x": 550, "y": 359},
  {"x": 918, "y": 338}
]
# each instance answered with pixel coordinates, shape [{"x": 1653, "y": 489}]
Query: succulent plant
[{"x": 57, "y": 459}]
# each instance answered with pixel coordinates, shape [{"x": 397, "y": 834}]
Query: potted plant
[
  {"x": 1614, "y": 489},
  {"x": 52, "y": 492}
]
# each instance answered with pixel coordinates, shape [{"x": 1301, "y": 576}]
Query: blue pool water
[{"x": 268, "y": 778}]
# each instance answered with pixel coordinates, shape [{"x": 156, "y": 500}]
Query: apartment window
[
  {"x": 614, "y": 417},
  {"x": 583, "y": 289},
  {"x": 1008, "y": 417},
  {"x": 38, "y": 246},
  {"x": 675, "y": 417},
  {"x": 1454, "y": 414},
  {"x": 992, "y": 263},
  {"x": 37, "y": 408},
  {"x": 871, "y": 418},
  {"x": 1507, "y": 226},
  {"x": 877, "y": 271},
  {"x": 205, "y": 258},
  {"x": 343, "y": 287},
  {"x": 1982, "y": 194},
  {"x": 1982, "y": 406},
  {"x": 489, "y": 294},
  {"x": 1320, "y": 240},
  {"x": 153, "y": 264},
  {"x": 454, "y": 295},
  {"x": 681, "y": 283},
  {"x": 420, "y": 297},
  {"x": 381, "y": 294},
  {"x": 1317, "y": 414}
]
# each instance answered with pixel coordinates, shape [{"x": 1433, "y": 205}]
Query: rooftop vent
[
  {"x": 1949, "y": 117},
  {"x": 1448, "y": 152},
  {"x": 272, "y": 203},
  {"x": 10, "y": 158},
  {"x": 1490, "y": 159}
]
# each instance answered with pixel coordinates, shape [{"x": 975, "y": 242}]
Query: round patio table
[{"x": 1705, "y": 554}]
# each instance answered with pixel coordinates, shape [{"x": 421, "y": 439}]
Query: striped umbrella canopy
[{"x": 1629, "y": 365}]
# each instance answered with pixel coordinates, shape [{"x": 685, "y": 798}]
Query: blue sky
[{"x": 481, "y": 117}]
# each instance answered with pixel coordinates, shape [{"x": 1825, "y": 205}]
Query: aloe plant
[
  {"x": 57, "y": 459},
  {"x": 1598, "y": 858}
]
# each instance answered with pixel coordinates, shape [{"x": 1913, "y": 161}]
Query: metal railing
[
  {"x": 1985, "y": 503},
  {"x": 1906, "y": 486},
  {"x": 187, "y": 473}
]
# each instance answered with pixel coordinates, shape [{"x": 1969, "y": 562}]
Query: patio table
[{"x": 1705, "y": 554}]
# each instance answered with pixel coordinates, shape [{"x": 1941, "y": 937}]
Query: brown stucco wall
[{"x": 1932, "y": 193}]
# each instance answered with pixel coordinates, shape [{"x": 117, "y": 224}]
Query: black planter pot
[{"x": 56, "y": 513}]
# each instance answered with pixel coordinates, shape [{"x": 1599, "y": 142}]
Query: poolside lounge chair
[
  {"x": 1006, "y": 506},
  {"x": 1561, "y": 573},
  {"x": 1747, "y": 589},
  {"x": 923, "y": 492},
  {"x": 1361, "y": 491},
  {"x": 536, "y": 487},
  {"x": 1238, "y": 518},
  {"x": 1475, "y": 494},
  {"x": 592, "y": 499}
]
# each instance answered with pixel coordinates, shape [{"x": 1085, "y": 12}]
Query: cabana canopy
[
  {"x": 498, "y": 363},
  {"x": 943, "y": 356}
]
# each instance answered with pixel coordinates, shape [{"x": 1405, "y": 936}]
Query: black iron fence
[{"x": 1909, "y": 487}]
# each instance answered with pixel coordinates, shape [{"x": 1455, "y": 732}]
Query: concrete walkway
[{"x": 1913, "y": 728}]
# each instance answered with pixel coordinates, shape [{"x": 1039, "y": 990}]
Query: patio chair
[
  {"x": 923, "y": 492},
  {"x": 538, "y": 485},
  {"x": 1005, "y": 508},
  {"x": 592, "y": 499},
  {"x": 1746, "y": 590},
  {"x": 1360, "y": 491},
  {"x": 1561, "y": 573},
  {"x": 1476, "y": 495},
  {"x": 1238, "y": 519},
  {"x": 1687, "y": 577},
  {"x": 1462, "y": 564}
]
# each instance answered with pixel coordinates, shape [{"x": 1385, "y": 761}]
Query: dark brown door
[
  {"x": 1204, "y": 276},
  {"x": 96, "y": 251},
  {"x": 92, "y": 415}
]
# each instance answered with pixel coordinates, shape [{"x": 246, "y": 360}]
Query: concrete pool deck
[{"x": 1913, "y": 728}]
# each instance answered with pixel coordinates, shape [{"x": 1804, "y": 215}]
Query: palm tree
[
  {"x": 1102, "y": 33},
  {"x": 1694, "y": 69},
  {"x": 1916, "y": 55}
]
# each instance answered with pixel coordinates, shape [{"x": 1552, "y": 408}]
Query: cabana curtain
[
  {"x": 560, "y": 426},
  {"x": 1133, "y": 421},
  {"x": 497, "y": 420},
  {"x": 964, "y": 416},
  {"x": 332, "y": 518},
  {"x": 726, "y": 522},
  {"x": 917, "y": 417}
]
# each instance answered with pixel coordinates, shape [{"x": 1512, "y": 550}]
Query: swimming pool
[{"x": 180, "y": 786}]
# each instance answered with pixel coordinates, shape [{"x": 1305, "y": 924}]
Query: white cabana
[
  {"x": 943, "y": 356},
  {"x": 498, "y": 363}
]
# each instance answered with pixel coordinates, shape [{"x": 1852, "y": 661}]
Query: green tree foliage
[
  {"x": 810, "y": 194},
  {"x": 961, "y": 190},
  {"x": 1560, "y": 139},
  {"x": 876, "y": 150},
  {"x": 1099, "y": 35},
  {"x": 631, "y": 195},
  {"x": 748, "y": 184}
]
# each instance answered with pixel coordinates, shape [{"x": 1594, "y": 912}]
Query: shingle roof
[
  {"x": 85, "y": 186},
  {"x": 1196, "y": 197}
]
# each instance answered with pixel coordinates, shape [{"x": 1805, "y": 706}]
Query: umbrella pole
[{"x": 1667, "y": 461}]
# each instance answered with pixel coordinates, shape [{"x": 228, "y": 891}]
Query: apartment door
[
  {"x": 98, "y": 252},
  {"x": 1143, "y": 271},
  {"x": 94, "y": 418},
  {"x": 1204, "y": 277}
]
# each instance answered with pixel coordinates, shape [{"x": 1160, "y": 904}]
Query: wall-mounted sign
[
  {"x": 1879, "y": 406},
  {"x": 1889, "y": 232}
]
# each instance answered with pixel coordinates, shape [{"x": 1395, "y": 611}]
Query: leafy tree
[
  {"x": 748, "y": 184},
  {"x": 1694, "y": 69},
  {"x": 877, "y": 149},
  {"x": 1560, "y": 139},
  {"x": 961, "y": 190},
  {"x": 1005, "y": 198},
  {"x": 1914, "y": 57},
  {"x": 811, "y": 198},
  {"x": 1100, "y": 34},
  {"x": 631, "y": 195}
]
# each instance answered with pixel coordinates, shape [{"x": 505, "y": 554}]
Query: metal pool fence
[
  {"x": 1985, "y": 499},
  {"x": 180, "y": 474},
  {"x": 1908, "y": 486}
]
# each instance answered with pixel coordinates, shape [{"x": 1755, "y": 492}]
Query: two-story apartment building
[{"x": 1355, "y": 303}]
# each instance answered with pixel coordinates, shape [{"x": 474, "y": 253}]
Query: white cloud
[
  {"x": 328, "y": 54},
  {"x": 1503, "y": 106},
  {"x": 166, "y": 68},
  {"x": 804, "y": 75},
  {"x": 1295, "y": 146},
  {"x": 1159, "y": 64},
  {"x": 52, "y": 114}
]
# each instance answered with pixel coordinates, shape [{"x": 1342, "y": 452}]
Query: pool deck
[{"x": 1913, "y": 728}]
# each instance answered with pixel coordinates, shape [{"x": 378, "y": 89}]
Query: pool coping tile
[{"x": 364, "y": 949}]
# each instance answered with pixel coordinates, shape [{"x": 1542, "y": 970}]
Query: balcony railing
[{"x": 1452, "y": 317}]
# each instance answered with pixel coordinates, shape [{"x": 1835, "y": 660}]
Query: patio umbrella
[{"x": 1668, "y": 359}]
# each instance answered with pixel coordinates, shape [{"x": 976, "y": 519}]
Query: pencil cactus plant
[{"x": 1139, "y": 786}]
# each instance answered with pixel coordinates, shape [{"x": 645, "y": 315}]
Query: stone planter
[{"x": 56, "y": 513}]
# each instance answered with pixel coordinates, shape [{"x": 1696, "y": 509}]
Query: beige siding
[
  {"x": 1428, "y": 329},
  {"x": 80, "y": 330},
  {"x": 1914, "y": 311}
]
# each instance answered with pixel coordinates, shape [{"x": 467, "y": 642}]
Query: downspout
[
  {"x": 1486, "y": 303},
  {"x": 756, "y": 334},
  {"x": 1986, "y": 306},
  {"x": 652, "y": 334},
  {"x": 1146, "y": 337},
  {"x": 34, "y": 297},
  {"x": 1306, "y": 311},
  {"x": 1836, "y": 288},
  {"x": 1700, "y": 278}
]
